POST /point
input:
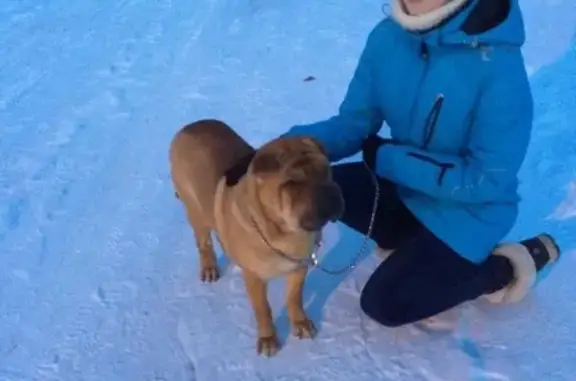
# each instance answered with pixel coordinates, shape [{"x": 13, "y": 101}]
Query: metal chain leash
[{"x": 352, "y": 265}]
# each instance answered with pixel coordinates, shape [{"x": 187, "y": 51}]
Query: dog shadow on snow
[{"x": 340, "y": 248}]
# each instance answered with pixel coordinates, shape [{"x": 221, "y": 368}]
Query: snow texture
[{"x": 98, "y": 270}]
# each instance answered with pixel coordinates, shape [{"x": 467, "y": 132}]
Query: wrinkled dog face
[{"x": 294, "y": 184}]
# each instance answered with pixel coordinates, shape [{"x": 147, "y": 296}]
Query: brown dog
[{"x": 268, "y": 223}]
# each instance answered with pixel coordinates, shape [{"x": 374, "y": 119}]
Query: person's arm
[
  {"x": 358, "y": 115},
  {"x": 499, "y": 139}
]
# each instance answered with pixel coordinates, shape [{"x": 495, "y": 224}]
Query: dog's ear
[
  {"x": 234, "y": 174},
  {"x": 315, "y": 143},
  {"x": 266, "y": 163}
]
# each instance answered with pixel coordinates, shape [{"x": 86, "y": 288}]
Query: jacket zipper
[
  {"x": 424, "y": 54},
  {"x": 431, "y": 120}
]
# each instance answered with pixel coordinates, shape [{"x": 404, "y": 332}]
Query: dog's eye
[
  {"x": 290, "y": 183},
  {"x": 294, "y": 186}
]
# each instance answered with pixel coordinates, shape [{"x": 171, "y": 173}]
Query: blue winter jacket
[{"x": 458, "y": 103}]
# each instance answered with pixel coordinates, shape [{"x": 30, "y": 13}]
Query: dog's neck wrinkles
[
  {"x": 235, "y": 203},
  {"x": 268, "y": 226},
  {"x": 297, "y": 245},
  {"x": 248, "y": 214}
]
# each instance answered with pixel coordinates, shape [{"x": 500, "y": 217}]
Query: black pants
[{"x": 423, "y": 276}]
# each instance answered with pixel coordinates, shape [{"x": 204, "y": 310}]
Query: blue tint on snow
[{"x": 98, "y": 268}]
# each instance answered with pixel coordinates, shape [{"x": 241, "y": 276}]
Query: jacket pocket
[
  {"x": 431, "y": 120},
  {"x": 442, "y": 166}
]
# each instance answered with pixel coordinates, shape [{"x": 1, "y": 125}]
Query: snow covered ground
[{"x": 98, "y": 272}]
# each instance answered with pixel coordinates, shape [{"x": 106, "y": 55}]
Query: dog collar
[{"x": 311, "y": 260}]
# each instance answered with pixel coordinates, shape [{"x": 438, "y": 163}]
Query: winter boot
[{"x": 528, "y": 258}]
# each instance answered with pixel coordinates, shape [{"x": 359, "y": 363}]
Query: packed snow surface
[{"x": 98, "y": 268}]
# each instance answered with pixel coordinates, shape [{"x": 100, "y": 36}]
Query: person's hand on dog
[{"x": 370, "y": 148}]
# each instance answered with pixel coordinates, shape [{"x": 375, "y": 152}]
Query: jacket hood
[{"x": 473, "y": 22}]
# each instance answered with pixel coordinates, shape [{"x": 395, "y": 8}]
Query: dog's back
[{"x": 200, "y": 153}]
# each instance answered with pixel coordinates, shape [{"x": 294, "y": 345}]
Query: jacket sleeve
[
  {"x": 358, "y": 115},
  {"x": 499, "y": 137}
]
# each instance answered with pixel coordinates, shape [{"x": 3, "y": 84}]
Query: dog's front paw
[
  {"x": 304, "y": 329},
  {"x": 268, "y": 346},
  {"x": 209, "y": 274}
]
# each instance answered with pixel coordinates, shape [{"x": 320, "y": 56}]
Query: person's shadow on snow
[{"x": 341, "y": 246}]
